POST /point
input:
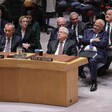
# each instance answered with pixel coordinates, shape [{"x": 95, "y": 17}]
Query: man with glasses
[
  {"x": 95, "y": 40},
  {"x": 62, "y": 45},
  {"x": 108, "y": 28},
  {"x": 61, "y": 21}
]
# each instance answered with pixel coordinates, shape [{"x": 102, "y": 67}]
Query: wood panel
[{"x": 54, "y": 83}]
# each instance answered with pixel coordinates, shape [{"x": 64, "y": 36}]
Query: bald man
[{"x": 96, "y": 40}]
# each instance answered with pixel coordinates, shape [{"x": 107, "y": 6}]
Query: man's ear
[
  {"x": 4, "y": 29},
  {"x": 14, "y": 29}
]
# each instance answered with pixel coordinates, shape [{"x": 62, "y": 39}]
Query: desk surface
[{"x": 59, "y": 65}]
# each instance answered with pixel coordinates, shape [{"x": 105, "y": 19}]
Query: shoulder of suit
[
  {"x": 71, "y": 41},
  {"x": 16, "y": 36}
]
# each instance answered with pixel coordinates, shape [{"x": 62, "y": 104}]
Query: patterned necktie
[
  {"x": 94, "y": 36},
  {"x": 7, "y": 45},
  {"x": 60, "y": 48}
]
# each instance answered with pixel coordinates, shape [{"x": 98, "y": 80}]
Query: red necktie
[
  {"x": 60, "y": 48},
  {"x": 7, "y": 45}
]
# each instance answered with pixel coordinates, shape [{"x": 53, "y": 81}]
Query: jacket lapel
[{"x": 65, "y": 46}]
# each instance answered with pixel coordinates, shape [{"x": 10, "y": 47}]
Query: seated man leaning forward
[
  {"x": 95, "y": 40},
  {"x": 62, "y": 45}
]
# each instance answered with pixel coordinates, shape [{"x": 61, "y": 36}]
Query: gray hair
[
  {"x": 74, "y": 13},
  {"x": 64, "y": 29},
  {"x": 10, "y": 24},
  {"x": 101, "y": 21},
  {"x": 61, "y": 18}
]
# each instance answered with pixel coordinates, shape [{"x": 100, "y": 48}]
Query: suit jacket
[
  {"x": 81, "y": 28},
  {"x": 16, "y": 42},
  {"x": 29, "y": 37},
  {"x": 54, "y": 33},
  {"x": 101, "y": 46},
  {"x": 69, "y": 47}
]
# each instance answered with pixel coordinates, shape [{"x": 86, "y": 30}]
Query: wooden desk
[{"x": 42, "y": 82}]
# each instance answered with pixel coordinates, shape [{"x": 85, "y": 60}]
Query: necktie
[
  {"x": 7, "y": 45},
  {"x": 60, "y": 48},
  {"x": 74, "y": 27},
  {"x": 108, "y": 29},
  {"x": 91, "y": 47},
  {"x": 109, "y": 33},
  {"x": 111, "y": 37}
]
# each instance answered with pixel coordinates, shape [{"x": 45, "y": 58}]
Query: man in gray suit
[{"x": 68, "y": 47}]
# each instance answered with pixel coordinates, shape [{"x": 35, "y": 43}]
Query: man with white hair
[
  {"x": 108, "y": 28},
  {"x": 95, "y": 40},
  {"x": 62, "y": 45},
  {"x": 61, "y": 21}
]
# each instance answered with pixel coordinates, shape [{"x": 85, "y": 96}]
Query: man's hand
[
  {"x": 110, "y": 47},
  {"x": 25, "y": 45},
  {"x": 96, "y": 40}
]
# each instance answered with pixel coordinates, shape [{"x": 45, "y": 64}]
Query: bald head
[{"x": 98, "y": 25}]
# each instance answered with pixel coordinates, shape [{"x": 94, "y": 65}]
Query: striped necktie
[
  {"x": 7, "y": 45},
  {"x": 60, "y": 48}
]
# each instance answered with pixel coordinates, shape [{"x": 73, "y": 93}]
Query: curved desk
[{"x": 42, "y": 82}]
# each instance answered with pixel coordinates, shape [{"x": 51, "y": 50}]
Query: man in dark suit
[
  {"x": 108, "y": 28},
  {"x": 62, "y": 45},
  {"x": 9, "y": 42},
  {"x": 96, "y": 40},
  {"x": 76, "y": 25},
  {"x": 79, "y": 27},
  {"x": 61, "y": 21}
]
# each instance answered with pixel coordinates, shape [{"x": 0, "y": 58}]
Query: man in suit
[
  {"x": 108, "y": 28},
  {"x": 78, "y": 26},
  {"x": 9, "y": 42},
  {"x": 61, "y": 21},
  {"x": 96, "y": 40},
  {"x": 63, "y": 45}
]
